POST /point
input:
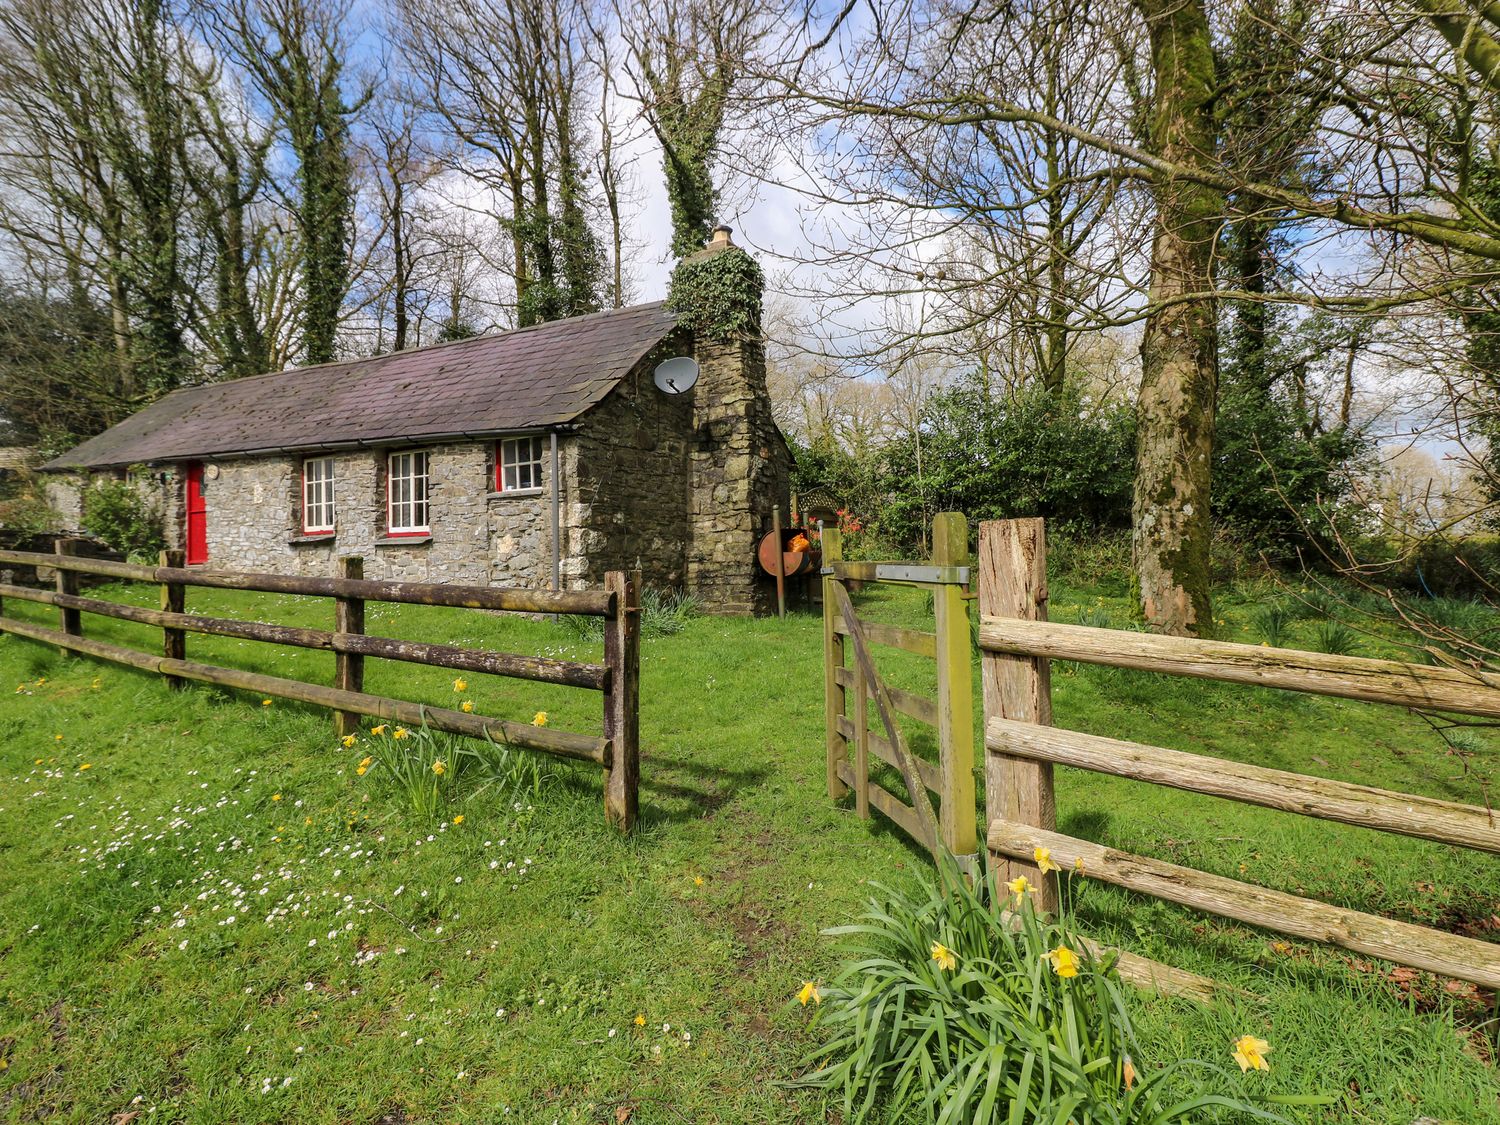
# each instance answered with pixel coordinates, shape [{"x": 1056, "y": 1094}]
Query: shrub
[
  {"x": 954, "y": 1008},
  {"x": 120, "y": 516},
  {"x": 28, "y": 515}
]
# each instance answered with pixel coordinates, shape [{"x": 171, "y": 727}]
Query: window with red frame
[
  {"x": 406, "y": 494},
  {"x": 519, "y": 464},
  {"x": 317, "y": 495}
]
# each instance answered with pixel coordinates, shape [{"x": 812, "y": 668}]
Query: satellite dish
[{"x": 677, "y": 375}]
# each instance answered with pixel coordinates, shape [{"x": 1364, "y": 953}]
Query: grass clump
[
  {"x": 664, "y": 613},
  {"x": 959, "y": 1004},
  {"x": 1272, "y": 621},
  {"x": 1336, "y": 638},
  {"x": 429, "y": 770}
]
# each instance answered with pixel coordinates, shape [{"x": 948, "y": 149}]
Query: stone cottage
[{"x": 539, "y": 458}]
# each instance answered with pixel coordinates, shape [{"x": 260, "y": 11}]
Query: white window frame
[
  {"x": 407, "y": 499},
  {"x": 318, "y": 514},
  {"x": 520, "y": 458}
]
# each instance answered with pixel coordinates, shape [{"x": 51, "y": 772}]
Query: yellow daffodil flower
[
  {"x": 360, "y": 771},
  {"x": 459, "y": 819},
  {"x": 1020, "y": 886},
  {"x": 1064, "y": 961},
  {"x": 349, "y": 740},
  {"x": 1078, "y": 865},
  {"x": 539, "y": 719},
  {"x": 1043, "y": 857},
  {"x": 460, "y": 684},
  {"x": 1128, "y": 1072},
  {"x": 440, "y": 767},
  {"x": 467, "y": 707},
  {"x": 381, "y": 729},
  {"x": 1251, "y": 1053},
  {"x": 809, "y": 991},
  {"x": 400, "y": 732},
  {"x": 944, "y": 957},
  {"x": 365, "y": 762}
]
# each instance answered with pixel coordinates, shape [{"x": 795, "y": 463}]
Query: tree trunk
[{"x": 1179, "y": 351}]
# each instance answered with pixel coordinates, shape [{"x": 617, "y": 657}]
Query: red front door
[{"x": 197, "y": 513}]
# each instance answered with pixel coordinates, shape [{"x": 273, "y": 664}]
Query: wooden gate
[{"x": 852, "y": 681}]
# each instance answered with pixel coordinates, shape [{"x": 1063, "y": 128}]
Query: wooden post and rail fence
[
  {"x": 1017, "y": 644},
  {"x": 617, "y": 751}
]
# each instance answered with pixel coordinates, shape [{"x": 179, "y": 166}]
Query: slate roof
[{"x": 531, "y": 378}]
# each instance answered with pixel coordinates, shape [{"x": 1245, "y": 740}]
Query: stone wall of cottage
[
  {"x": 628, "y": 465},
  {"x": 478, "y": 536}
]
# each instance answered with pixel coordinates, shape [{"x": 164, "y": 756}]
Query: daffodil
[
  {"x": 400, "y": 732},
  {"x": 944, "y": 957},
  {"x": 381, "y": 729},
  {"x": 1043, "y": 857},
  {"x": 1020, "y": 886},
  {"x": 1128, "y": 1072},
  {"x": 1064, "y": 961},
  {"x": 809, "y": 991},
  {"x": 1078, "y": 865},
  {"x": 467, "y": 707},
  {"x": 460, "y": 684},
  {"x": 1251, "y": 1053},
  {"x": 440, "y": 767},
  {"x": 539, "y": 719},
  {"x": 360, "y": 771},
  {"x": 349, "y": 740}
]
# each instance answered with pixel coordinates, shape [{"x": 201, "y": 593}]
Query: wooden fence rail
[
  {"x": 617, "y": 678},
  {"x": 1017, "y": 642}
]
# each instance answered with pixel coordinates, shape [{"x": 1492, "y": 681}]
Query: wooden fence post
[
  {"x": 622, "y": 655},
  {"x": 955, "y": 688},
  {"x": 834, "y": 701},
  {"x": 348, "y": 667},
  {"x": 173, "y": 600},
  {"x": 1013, "y": 583},
  {"x": 67, "y": 583}
]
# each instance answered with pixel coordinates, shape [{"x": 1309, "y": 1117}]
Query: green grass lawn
[{"x": 218, "y": 921}]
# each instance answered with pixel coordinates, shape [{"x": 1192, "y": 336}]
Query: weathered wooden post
[
  {"x": 859, "y": 711},
  {"x": 622, "y": 655},
  {"x": 1013, "y": 583},
  {"x": 834, "y": 702},
  {"x": 348, "y": 667},
  {"x": 955, "y": 687},
  {"x": 67, "y": 585},
  {"x": 173, "y": 600}
]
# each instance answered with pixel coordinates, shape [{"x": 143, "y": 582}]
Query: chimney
[{"x": 739, "y": 465}]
